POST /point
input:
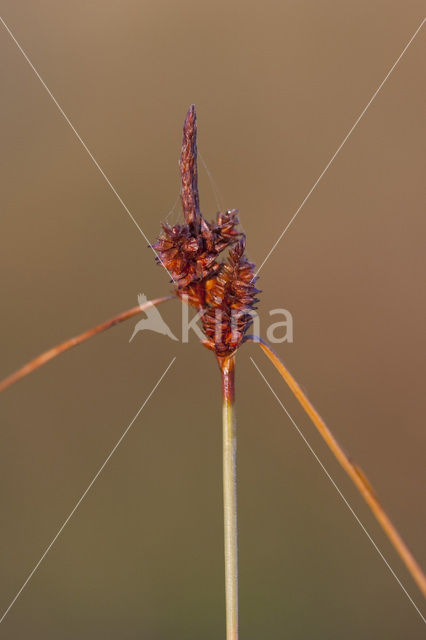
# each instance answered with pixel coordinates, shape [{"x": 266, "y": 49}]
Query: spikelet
[
  {"x": 230, "y": 300},
  {"x": 189, "y": 255}
]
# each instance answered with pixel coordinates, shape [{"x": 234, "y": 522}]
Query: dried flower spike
[
  {"x": 188, "y": 169},
  {"x": 230, "y": 301},
  {"x": 223, "y": 291}
]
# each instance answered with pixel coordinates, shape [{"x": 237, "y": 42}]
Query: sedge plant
[{"x": 224, "y": 293}]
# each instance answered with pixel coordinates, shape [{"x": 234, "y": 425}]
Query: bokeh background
[{"x": 277, "y": 86}]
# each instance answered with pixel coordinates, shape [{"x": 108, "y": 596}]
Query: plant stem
[
  {"x": 354, "y": 472},
  {"x": 48, "y": 355},
  {"x": 227, "y": 366}
]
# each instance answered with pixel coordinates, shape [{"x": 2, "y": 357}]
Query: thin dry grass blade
[
  {"x": 48, "y": 355},
  {"x": 354, "y": 472}
]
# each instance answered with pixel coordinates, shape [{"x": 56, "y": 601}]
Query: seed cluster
[
  {"x": 223, "y": 291},
  {"x": 231, "y": 296},
  {"x": 189, "y": 250}
]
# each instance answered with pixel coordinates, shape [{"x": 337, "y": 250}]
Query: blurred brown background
[{"x": 277, "y": 86}]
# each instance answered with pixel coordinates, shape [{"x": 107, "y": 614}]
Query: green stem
[{"x": 227, "y": 366}]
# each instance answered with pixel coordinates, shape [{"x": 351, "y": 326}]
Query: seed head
[
  {"x": 230, "y": 300},
  {"x": 223, "y": 290}
]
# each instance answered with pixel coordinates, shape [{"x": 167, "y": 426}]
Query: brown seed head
[
  {"x": 224, "y": 291},
  {"x": 230, "y": 300}
]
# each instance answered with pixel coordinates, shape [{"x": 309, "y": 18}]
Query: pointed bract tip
[{"x": 191, "y": 115}]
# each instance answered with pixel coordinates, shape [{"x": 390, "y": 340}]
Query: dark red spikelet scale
[{"x": 224, "y": 291}]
